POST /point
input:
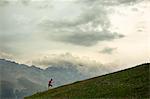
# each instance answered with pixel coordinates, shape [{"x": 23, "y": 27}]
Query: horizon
[{"x": 115, "y": 70}]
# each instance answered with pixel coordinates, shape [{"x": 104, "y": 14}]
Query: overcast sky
[{"x": 106, "y": 31}]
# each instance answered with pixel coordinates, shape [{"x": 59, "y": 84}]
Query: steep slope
[{"x": 133, "y": 82}]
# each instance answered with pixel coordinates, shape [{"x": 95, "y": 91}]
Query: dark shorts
[{"x": 49, "y": 85}]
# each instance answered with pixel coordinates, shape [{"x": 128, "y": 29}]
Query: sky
[{"x": 39, "y": 32}]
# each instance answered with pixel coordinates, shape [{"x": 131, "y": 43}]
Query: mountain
[
  {"x": 19, "y": 80},
  {"x": 129, "y": 83}
]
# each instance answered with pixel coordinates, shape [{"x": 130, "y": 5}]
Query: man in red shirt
[{"x": 50, "y": 83}]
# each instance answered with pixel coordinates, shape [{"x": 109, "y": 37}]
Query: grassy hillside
[{"x": 133, "y": 82}]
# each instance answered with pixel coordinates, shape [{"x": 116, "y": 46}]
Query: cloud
[
  {"x": 40, "y": 4},
  {"x": 4, "y": 2},
  {"x": 6, "y": 41},
  {"x": 88, "y": 15},
  {"x": 108, "y": 50},
  {"x": 4, "y": 55},
  {"x": 25, "y": 2},
  {"x": 81, "y": 24},
  {"x": 56, "y": 60},
  {"x": 43, "y": 3},
  {"x": 128, "y": 1},
  {"x": 90, "y": 27},
  {"x": 91, "y": 38},
  {"x": 68, "y": 61},
  {"x": 63, "y": 60},
  {"x": 9, "y": 42},
  {"x": 108, "y": 2}
]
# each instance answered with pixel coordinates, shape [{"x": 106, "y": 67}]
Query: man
[{"x": 50, "y": 83}]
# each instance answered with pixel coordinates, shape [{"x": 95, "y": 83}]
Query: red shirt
[{"x": 50, "y": 81}]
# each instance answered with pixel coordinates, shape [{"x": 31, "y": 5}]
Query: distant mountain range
[{"x": 19, "y": 80}]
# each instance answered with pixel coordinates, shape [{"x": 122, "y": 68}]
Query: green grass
[{"x": 130, "y": 83}]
